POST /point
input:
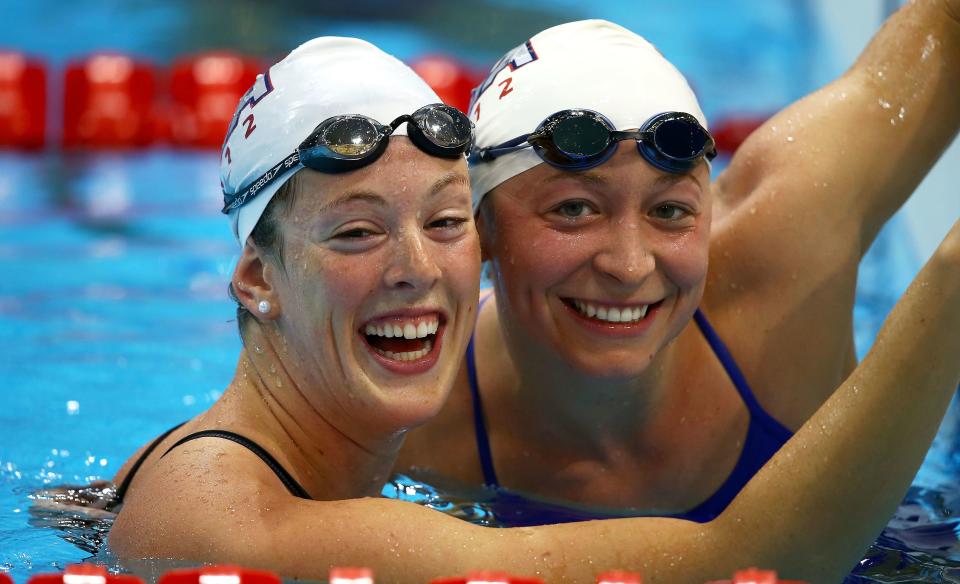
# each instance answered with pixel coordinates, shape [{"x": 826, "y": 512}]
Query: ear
[{"x": 252, "y": 283}]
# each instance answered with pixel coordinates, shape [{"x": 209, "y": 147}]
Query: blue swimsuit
[{"x": 765, "y": 436}]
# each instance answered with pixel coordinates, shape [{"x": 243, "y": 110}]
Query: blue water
[
  {"x": 115, "y": 324},
  {"x": 114, "y": 320}
]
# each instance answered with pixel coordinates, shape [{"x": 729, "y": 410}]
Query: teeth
[
  {"x": 611, "y": 314},
  {"x": 409, "y": 355},
  {"x": 406, "y": 330}
]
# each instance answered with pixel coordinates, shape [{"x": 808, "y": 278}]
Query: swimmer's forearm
[
  {"x": 911, "y": 75},
  {"x": 828, "y": 493}
]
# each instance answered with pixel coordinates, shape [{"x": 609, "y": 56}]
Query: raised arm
[
  {"x": 807, "y": 193},
  {"x": 847, "y": 156},
  {"x": 809, "y": 513}
]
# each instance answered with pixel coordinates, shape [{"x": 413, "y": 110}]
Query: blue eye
[
  {"x": 573, "y": 209},
  {"x": 670, "y": 212}
]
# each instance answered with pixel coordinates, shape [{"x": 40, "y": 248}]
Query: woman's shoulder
[{"x": 189, "y": 489}]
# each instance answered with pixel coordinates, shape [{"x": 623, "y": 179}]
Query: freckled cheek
[
  {"x": 544, "y": 256},
  {"x": 339, "y": 286},
  {"x": 459, "y": 264},
  {"x": 685, "y": 259}
]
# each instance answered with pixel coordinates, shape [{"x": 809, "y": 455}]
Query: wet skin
[{"x": 648, "y": 418}]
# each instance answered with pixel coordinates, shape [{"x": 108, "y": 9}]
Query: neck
[
  {"x": 579, "y": 412},
  {"x": 300, "y": 416}
]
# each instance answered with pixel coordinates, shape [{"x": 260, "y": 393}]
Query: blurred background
[
  {"x": 745, "y": 58},
  {"x": 114, "y": 320}
]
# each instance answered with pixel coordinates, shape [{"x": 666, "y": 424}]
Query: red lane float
[
  {"x": 23, "y": 101},
  {"x": 488, "y": 577},
  {"x": 222, "y": 574},
  {"x": 730, "y": 133},
  {"x": 4, "y": 579},
  {"x": 617, "y": 577},
  {"x": 756, "y": 576},
  {"x": 351, "y": 576},
  {"x": 229, "y": 574},
  {"x": 453, "y": 81},
  {"x": 204, "y": 92},
  {"x": 109, "y": 102},
  {"x": 84, "y": 574}
]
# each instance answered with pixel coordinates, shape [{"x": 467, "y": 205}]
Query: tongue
[{"x": 396, "y": 345}]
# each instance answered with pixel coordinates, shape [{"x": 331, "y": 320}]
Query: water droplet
[
  {"x": 884, "y": 103},
  {"x": 790, "y": 138},
  {"x": 928, "y": 47}
]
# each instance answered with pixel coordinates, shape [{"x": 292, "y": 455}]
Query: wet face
[
  {"x": 378, "y": 285},
  {"x": 600, "y": 268}
]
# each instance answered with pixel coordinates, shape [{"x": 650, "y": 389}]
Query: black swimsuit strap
[
  {"x": 286, "y": 478},
  {"x": 136, "y": 466}
]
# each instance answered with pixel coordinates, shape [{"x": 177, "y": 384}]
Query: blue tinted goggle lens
[{"x": 579, "y": 139}]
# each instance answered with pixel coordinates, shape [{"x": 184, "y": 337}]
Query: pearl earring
[{"x": 264, "y": 307}]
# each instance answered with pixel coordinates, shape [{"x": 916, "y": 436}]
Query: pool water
[
  {"x": 115, "y": 325},
  {"x": 114, "y": 318}
]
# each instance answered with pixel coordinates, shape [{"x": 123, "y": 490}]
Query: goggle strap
[
  {"x": 263, "y": 181},
  {"x": 416, "y": 134},
  {"x": 514, "y": 145}
]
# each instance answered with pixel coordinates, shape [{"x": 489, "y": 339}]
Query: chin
[{"x": 613, "y": 365}]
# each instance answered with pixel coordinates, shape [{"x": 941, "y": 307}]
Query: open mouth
[
  {"x": 607, "y": 314},
  {"x": 404, "y": 339}
]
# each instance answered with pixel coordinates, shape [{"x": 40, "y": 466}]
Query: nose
[
  {"x": 411, "y": 265},
  {"x": 625, "y": 257}
]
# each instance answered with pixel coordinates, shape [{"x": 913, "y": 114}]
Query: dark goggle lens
[
  {"x": 680, "y": 139},
  {"x": 581, "y": 137},
  {"x": 444, "y": 126},
  {"x": 350, "y": 137}
]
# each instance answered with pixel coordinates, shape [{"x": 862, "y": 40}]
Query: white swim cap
[
  {"x": 325, "y": 77},
  {"x": 589, "y": 64}
]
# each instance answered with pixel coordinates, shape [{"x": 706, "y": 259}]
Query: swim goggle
[
  {"x": 347, "y": 142},
  {"x": 577, "y": 139}
]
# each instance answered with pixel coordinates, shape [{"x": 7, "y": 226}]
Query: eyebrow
[
  {"x": 351, "y": 196},
  {"x": 596, "y": 179},
  {"x": 451, "y": 178}
]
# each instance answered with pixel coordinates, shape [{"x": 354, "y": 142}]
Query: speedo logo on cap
[{"x": 516, "y": 58}]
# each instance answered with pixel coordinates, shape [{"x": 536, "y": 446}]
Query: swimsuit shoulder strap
[
  {"x": 125, "y": 485},
  {"x": 479, "y": 424},
  {"x": 757, "y": 413},
  {"x": 285, "y": 477}
]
